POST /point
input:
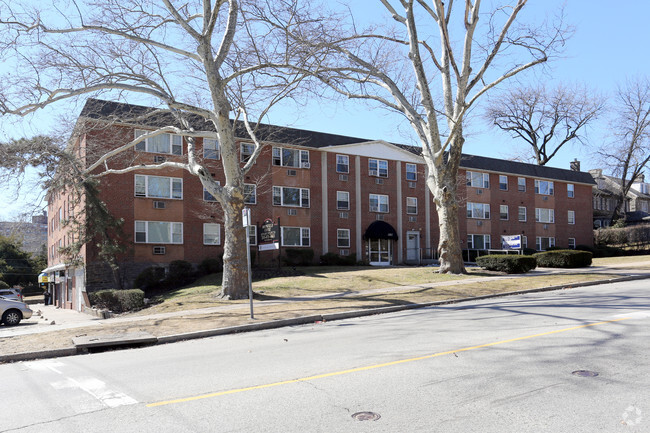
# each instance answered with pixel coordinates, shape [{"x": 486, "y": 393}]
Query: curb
[{"x": 25, "y": 356}]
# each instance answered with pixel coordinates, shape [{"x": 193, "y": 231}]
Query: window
[
  {"x": 252, "y": 235},
  {"x": 162, "y": 143},
  {"x": 544, "y": 215},
  {"x": 544, "y": 187},
  {"x": 571, "y": 217},
  {"x": 286, "y": 196},
  {"x": 158, "y": 187},
  {"x": 207, "y": 196},
  {"x": 285, "y": 157},
  {"x": 211, "y": 234},
  {"x": 572, "y": 243},
  {"x": 503, "y": 212},
  {"x": 522, "y": 214},
  {"x": 378, "y": 167},
  {"x": 342, "y": 200},
  {"x": 411, "y": 205},
  {"x": 478, "y": 210},
  {"x": 157, "y": 232},
  {"x": 478, "y": 180},
  {"x": 524, "y": 241},
  {"x": 250, "y": 193},
  {"x": 211, "y": 149},
  {"x": 570, "y": 190},
  {"x": 343, "y": 238},
  {"x": 521, "y": 184},
  {"x": 478, "y": 242},
  {"x": 378, "y": 203},
  {"x": 411, "y": 172},
  {"x": 342, "y": 164},
  {"x": 246, "y": 151},
  {"x": 503, "y": 182},
  {"x": 543, "y": 244},
  {"x": 295, "y": 236}
]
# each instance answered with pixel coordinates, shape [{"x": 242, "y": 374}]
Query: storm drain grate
[
  {"x": 366, "y": 416},
  {"x": 585, "y": 373}
]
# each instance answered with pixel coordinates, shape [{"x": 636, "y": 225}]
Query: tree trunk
[
  {"x": 235, "y": 270},
  {"x": 449, "y": 248}
]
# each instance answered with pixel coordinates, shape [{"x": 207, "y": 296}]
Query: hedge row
[
  {"x": 548, "y": 259},
  {"x": 118, "y": 301}
]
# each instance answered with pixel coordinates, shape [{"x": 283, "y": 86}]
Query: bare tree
[
  {"x": 627, "y": 154},
  {"x": 202, "y": 59},
  {"x": 396, "y": 68},
  {"x": 545, "y": 119}
]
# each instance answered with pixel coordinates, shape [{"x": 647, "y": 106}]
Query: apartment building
[{"x": 325, "y": 192}]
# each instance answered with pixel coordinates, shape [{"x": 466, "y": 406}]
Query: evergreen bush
[
  {"x": 118, "y": 301},
  {"x": 298, "y": 256},
  {"x": 564, "y": 259},
  {"x": 509, "y": 264}
]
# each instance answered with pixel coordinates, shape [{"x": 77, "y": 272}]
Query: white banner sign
[
  {"x": 511, "y": 242},
  {"x": 267, "y": 247}
]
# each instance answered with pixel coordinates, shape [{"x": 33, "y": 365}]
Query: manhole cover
[
  {"x": 585, "y": 373},
  {"x": 366, "y": 416}
]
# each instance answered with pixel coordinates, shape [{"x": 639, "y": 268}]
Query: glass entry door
[{"x": 380, "y": 252}]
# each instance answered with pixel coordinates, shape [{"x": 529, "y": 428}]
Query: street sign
[{"x": 246, "y": 216}]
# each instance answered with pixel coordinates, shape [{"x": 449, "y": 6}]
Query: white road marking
[{"x": 89, "y": 385}]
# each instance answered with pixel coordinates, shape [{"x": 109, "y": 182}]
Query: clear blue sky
[{"x": 609, "y": 45}]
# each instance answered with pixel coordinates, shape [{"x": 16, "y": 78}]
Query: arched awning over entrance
[{"x": 380, "y": 230}]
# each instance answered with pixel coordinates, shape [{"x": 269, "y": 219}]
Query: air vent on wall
[
  {"x": 413, "y": 219},
  {"x": 479, "y": 191},
  {"x": 412, "y": 184},
  {"x": 344, "y": 252},
  {"x": 159, "y": 250},
  {"x": 291, "y": 172},
  {"x": 479, "y": 223},
  {"x": 379, "y": 181},
  {"x": 159, "y": 158},
  {"x": 379, "y": 217},
  {"x": 343, "y": 215},
  {"x": 343, "y": 177},
  {"x": 157, "y": 204},
  {"x": 545, "y": 198},
  {"x": 292, "y": 212}
]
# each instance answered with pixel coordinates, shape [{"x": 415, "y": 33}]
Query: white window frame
[
  {"x": 571, "y": 217},
  {"x": 411, "y": 172},
  {"x": 303, "y": 196},
  {"x": 544, "y": 187},
  {"x": 344, "y": 232},
  {"x": 171, "y": 232},
  {"x": 503, "y": 177},
  {"x": 521, "y": 184},
  {"x": 378, "y": 170},
  {"x": 347, "y": 200},
  {"x": 379, "y": 198},
  {"x": 487, "y": 242},
  {"x": 175, "y": 143},
  {"x": 250, "y": 197},
  {"x": 342, "y": 158},
  {"x": 207, "y": 195},
  {"x": 477, "y": 179},
  {"x": 211, "y": 149},
  {"x": 302, "y": 232},
  {"x": 300, "y": 159},
  {"x": 478, "y": 210},
  {"x": 501, "y": 212},
  {"x": 570, "y": 190},
  {"x": 544, "y": 215},
  {"x": 413, "y": 205},
  {"x": 525, "y": 214},
  {"x": 215, "y": 236},
  {"x": 252, "y": 235},
  {"x": 538, "y": 242},
  {"x": 244, "y": 156},
  {"x": 143, "y": 179}
]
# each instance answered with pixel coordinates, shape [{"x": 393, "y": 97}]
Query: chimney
[{"x": 575, "y": 165}]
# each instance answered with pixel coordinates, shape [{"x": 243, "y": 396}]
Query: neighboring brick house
[
  {"x": 328, "y": 192},
  {"x": 32, "y": 235},
  {"x": 605, "y": 196}
]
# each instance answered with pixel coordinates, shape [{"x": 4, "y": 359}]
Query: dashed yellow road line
[{"x": 375, "y": 366}]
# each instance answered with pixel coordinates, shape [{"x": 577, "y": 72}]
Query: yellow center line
[{"x": 375, "y": 366}]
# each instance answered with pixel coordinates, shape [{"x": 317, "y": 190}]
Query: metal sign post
[{"x": 246, "y": 217}]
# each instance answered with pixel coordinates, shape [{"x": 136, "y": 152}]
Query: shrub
[
  {"x": 3, "y": 285},
  {"x": 529, "y": 251},
  {"x": 333, "y": 259},
  {"x": 564, "y": 259},
  {"x": 510, "y": 264},
  {"x": 180, "y": 273},
  {"x": 118, "y": 301},
  {"x": 150, "y": 278},
  {"x": 298, "y": 256},
  {"x": 210, "y": 265}
]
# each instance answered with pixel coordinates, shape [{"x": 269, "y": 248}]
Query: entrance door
[
  {"x": 380, "y": 252},
  {"x": 413, "y": 246}
]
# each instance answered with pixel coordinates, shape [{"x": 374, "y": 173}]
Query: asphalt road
[{"x": 503, "y": 365}]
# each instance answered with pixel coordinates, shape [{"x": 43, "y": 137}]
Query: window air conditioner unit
[
  {"x": 305, "y": 165},
  {"x": 343, "y": 177},
  {"x": 292, "y": 212},
  {"x": 291, "y": 172},
  {"x": 159, "y": 159},
  {"x": 159, "y": 251},
  {"x": 159, "y": 204},
  {"x": 372, "y": 172}
]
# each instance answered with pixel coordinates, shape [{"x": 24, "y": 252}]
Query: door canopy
[{"x": 380, "y": 230}]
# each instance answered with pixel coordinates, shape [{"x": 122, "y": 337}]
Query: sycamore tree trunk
[{"x": 235, "y": 273}]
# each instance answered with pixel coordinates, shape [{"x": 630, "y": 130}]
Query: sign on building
[{"x": 512, "y": 242}]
